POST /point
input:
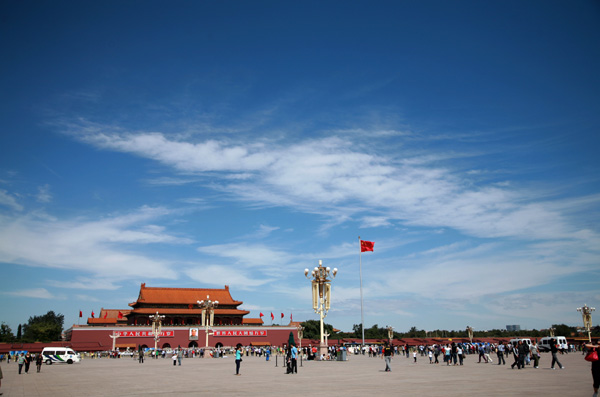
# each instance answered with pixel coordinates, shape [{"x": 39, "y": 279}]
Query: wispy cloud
[
  {"x": 96, "y": 247},
  {"x": 9, "y": 201},
  {"x": 38, "y": 293},
  {"x": 331, "y": 177}
]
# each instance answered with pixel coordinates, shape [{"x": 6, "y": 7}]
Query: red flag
[
  {"x": 92, "y": 314},
  {"x": 105, "y": 314},
  {"x": 291, "y": 318},
  {"x": 120, "y": 314},
  {"x": 281, "y": 315},
  {"x": 272, "y": 316},
  {"x": 366, "y": 245},
  {"x": 80, "y": 314},
  {"x": 261, "y": 314}
]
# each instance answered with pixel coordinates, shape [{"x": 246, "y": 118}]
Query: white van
[
  {"x": 60, "y": 355},
  {"x": 514, "y": 342},
  {"x": 544, "y": 343}
]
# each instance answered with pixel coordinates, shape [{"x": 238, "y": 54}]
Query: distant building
[{"x": 515, "y": 327}]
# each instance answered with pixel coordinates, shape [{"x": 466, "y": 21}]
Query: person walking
[
  {"x": 595, "y": 367},
  {"x": 554, "y": 350},
  {"x": 500, "y": 353},
  {"x": 179, "y": 355},
  {"x": 238, "y": 359},
  {"x": 1, "y": 378},
  {"x": 294, "y": 352},
  {"x": 38, "y": 361},
  {"x": 388, "y": 352},
  {"x": 21, "y": 362},
  {"x": 28, "y": 360},
  {"x": 535, "y": 354},
  {"x": 515, "y": 351}
]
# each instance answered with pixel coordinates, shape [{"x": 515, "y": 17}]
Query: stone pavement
[{"x": 360, "y": 375}]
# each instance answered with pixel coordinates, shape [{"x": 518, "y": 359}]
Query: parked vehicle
[
  {"x": 525, "y": 340},
  {"x": 60, "y": 355},
  {"x": 561, "y": 343}
]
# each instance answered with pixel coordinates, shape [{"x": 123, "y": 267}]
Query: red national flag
[
  {"x": 105, "y": 314},
  {"x": 281, "y": 315},
  {"x": 272, "y": 316},
  {"x": 366, "y": 245},
  {"x": 92, "y": 314},
  {"x": 291, "y": 318},
  {"x": 80, "y": 314},
  {"x": 260, "y": 315},
  {"x": 120, "y": 314}
]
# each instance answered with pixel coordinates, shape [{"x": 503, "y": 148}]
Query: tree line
[
  {"x": 312, "y": 331},
  {"x": 44, "y": 328}
]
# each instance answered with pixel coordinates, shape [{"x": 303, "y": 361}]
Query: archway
[
  {"x": 219, "y": 345},
  {"x": 193, "y": 344},
  {"x": 166, "y": 346}
]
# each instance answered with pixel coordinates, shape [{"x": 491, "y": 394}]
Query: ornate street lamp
[
  {"x": 321, "y": 294},
  {"x": 586, "y": 313},
  {"x": 156, "y": 329},
  {"x": 390, "y": 331},
  {"x": 470, "y": 333},
  {"x": 300, "y": 335},
  {"x": 208, "y": 315},
  {"x": 551, "y": 331}
]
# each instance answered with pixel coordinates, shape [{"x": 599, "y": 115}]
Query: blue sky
[{"x": 198, "y": 144}]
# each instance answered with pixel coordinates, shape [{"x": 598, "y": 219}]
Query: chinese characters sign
[
  {"x": 240, "y": 333},
  {"x": 143, "y": 334}
]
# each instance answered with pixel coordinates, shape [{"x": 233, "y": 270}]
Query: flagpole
[{"x": 362, "y": 317}]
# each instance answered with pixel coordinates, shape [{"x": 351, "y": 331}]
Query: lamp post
[
  {"x": 586, "y": 313},
  {"x": 470, "y": 333},
  {"x": 321, "y": 294},
  {"x": 208, "y": 315},
  {"x": 114, "y": 337},
  {"x": 156, "y": 329},
  {"x": 551, "y": 332},
  {"x": 390, "y": 331},
  {"x": 300, "y": 335}
]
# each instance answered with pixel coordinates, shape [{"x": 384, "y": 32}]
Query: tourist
[
  {"x": 516, "y": 353},
  {"x": 554, "y": 350},
  {"x": 28, "y": 360},
  {"x": 179, "y": 355},
  {"x": 500, "y": 353},
  {"x": 481, "y": 353},
  {"x": 430, "y": 354},
  {"x": 1, "y": 378},
  {"x": 388, "y": 352},
  {"x": 294, "y": 354},
  {"x": 21, "y": 362},
  {"x": 174, "y": 357},
  {"x": 595, "y": 367},
  {"x": 535, "y": 354},
  {"x": 415, "y": 356},
  {"x": 238, "y": 359},
  {"x": 39, "y": 359},
  {"x": 459, "y": 351}
]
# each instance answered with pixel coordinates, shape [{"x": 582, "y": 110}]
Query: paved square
[{"x": 360, "y": 375}]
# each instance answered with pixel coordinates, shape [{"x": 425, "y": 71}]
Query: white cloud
[
  {"x": 219, "y": 275},
  {"x": 9, "y": 201},
  {"x": 44, "y": 195},
  {"x": 91, "y": 246},
  {"x": 333, "y": 177},
  {"x": 38, "y": 293}
]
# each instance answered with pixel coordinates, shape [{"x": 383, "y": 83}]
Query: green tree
[
  {"x": 45, "y": 328},
  {"x": 312, "y": 329},
  {"x": 6, "y": 334},
  {"x": 563, "y": 330}
]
